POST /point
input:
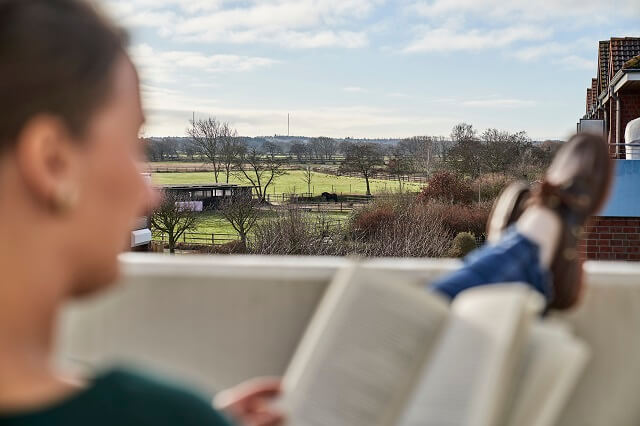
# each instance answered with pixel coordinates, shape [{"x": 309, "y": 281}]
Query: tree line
[{"x": 467, "y": 153}]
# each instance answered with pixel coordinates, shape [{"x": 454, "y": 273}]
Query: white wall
[{"x": 215, "y": 321}]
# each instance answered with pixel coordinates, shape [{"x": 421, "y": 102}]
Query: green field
[
  {"x": 214, "y": 223},
  {"x": 293, "y": 182}
]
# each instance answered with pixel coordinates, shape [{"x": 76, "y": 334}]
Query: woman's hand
[{"x": 250, "y": 403}]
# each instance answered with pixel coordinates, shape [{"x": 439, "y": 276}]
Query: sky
[{"x": 369, "y": 68}]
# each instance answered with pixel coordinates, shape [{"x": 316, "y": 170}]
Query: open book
[{"x": 384, "y": 351}]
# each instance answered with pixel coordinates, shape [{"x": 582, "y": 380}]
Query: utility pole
[{"x": 288, "y": 125}]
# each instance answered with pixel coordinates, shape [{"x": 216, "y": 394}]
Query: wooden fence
[{"x": 203, "y": 239}]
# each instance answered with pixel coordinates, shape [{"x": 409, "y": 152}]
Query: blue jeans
[{"x": 514, "y": 259}]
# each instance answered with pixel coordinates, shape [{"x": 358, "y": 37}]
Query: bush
[
  {"x": 369, "y": 221},
  {"x": 397, "y": 226},
  {"x": 463, "y": 244},
  {"x": 458, "y": 218},
  {"x": 232, "y": 247},
  {"x": 445, "y": 186},
  {"x": 295, "y": 232},
  {"x": 490, "y": 185}
]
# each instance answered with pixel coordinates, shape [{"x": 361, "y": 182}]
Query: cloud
[
  {"x": 560, "y": 54},
  {"x": 449, "y": 38},
  {"x": 525, "y": 10},
  {"x": 354, "y": 121},
  {"x": 288, "y": 23},
  {"x": 165, "y": 66},
  {"x": 354, "y": 89},
  {"x": 499, "y": 103}
]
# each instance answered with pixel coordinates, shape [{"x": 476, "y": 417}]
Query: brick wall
[
  {"x": 611, "y": 238},
  {"x": 629, "y": 109}
]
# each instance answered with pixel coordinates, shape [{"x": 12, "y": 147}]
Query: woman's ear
[{"x": 46, "y": 158}]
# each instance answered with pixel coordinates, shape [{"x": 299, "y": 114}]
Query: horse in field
[{"x": 328, "y": 197}]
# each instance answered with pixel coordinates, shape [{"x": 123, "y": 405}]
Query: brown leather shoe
[
  {"x": 507, "y": 209},
  {"x": 575, "y": 187}
]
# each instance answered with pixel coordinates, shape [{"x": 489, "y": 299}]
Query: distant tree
[
  {"x": 363, "y": 158},
  {"x": 259, "y": 170},
  {"x": 502, "y": 149},
  {"x": 209, "y": 135},
  {"x": 421, "y": 151},
  {"x": 174, "y": 218},
  {"x": 299, "y": 150},
  {"x": 463, "y": 132},
  {"x": 314, "y": 149},
  {"x": 307, "y": 177},
  {"x": 271, "y": 149},
  {"x": 464, "y": 156},
  {"x": 343, "y": 146},
  {"x": 324, "y": 148},
  {"x": 189, "y": 149},
  {"x": 230, "y": 150},
  {"x": 399, "y": 164},
  {"x": 242, "y": 212}
]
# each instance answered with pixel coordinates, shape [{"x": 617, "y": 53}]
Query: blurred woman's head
[{"x": 70, "y": 116}]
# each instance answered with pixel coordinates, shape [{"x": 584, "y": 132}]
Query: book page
[
  {"x": 552, "y": 366},
  {"x": 468, "y": 379},
  {"x": 362, "y": 352}
]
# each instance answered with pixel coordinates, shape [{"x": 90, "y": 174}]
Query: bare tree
[
  {"x": 174, "y": 217},
  {"x": 299, "y": 150},
  {"x": 259, "y": 170},
  {"x": 271, "y": 149},
  {"x": 323, "y": 148},
  {"x": 420, "y": 149},
  {"x": 230, "y": 151},
  {"x": 363, "y": 158},
  {"x": 399, "y": 165},
  {"x": 242, "y": 212},
  {"x": 209, "y": 136},
  {"x": 307, "y": 176}
]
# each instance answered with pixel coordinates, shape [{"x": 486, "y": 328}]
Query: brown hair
[{"x": 56, "y": 57}]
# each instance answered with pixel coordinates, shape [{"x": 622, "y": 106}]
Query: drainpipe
[
  {"x": 616, "y": 98},
  {"x": 605, "y": 110}
]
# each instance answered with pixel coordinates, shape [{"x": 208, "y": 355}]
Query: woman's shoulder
[{"x": 154, "y": 401}]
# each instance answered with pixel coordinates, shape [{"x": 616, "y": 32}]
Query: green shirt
[{"x": 123, "y": 398}]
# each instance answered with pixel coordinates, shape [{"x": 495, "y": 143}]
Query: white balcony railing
[{"x": 215, "y": 321}]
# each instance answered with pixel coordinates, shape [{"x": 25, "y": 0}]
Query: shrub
[
  {"x": 490, "y": 185},
  {"x": 458, "y": 218},
  {"x": 447, "y": 187},
  {"x": 399, "y": 226},
  {"x": 369, "y": 221},
  {"x": 295, "y": 232},
  {"x": 463, "y": 244},
  {"x": 232, "y": 247}
]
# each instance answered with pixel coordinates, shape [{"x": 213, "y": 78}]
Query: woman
[{"x": 70, "y": 190}]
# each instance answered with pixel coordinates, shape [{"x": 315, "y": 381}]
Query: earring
[{"x": 65, "y": 199}]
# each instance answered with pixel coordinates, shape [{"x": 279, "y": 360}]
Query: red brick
[
  {"x": 616, "y": 242},
  {"x": 604, "y": 249},
  {"x": 629, "y": 229}
]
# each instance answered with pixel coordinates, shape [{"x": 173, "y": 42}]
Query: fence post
[{"x": 213, "y": 239}]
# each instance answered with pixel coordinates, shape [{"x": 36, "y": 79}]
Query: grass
[
  {"x": 293, "y": 182},
  {"x": 215, "y": 223}
]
